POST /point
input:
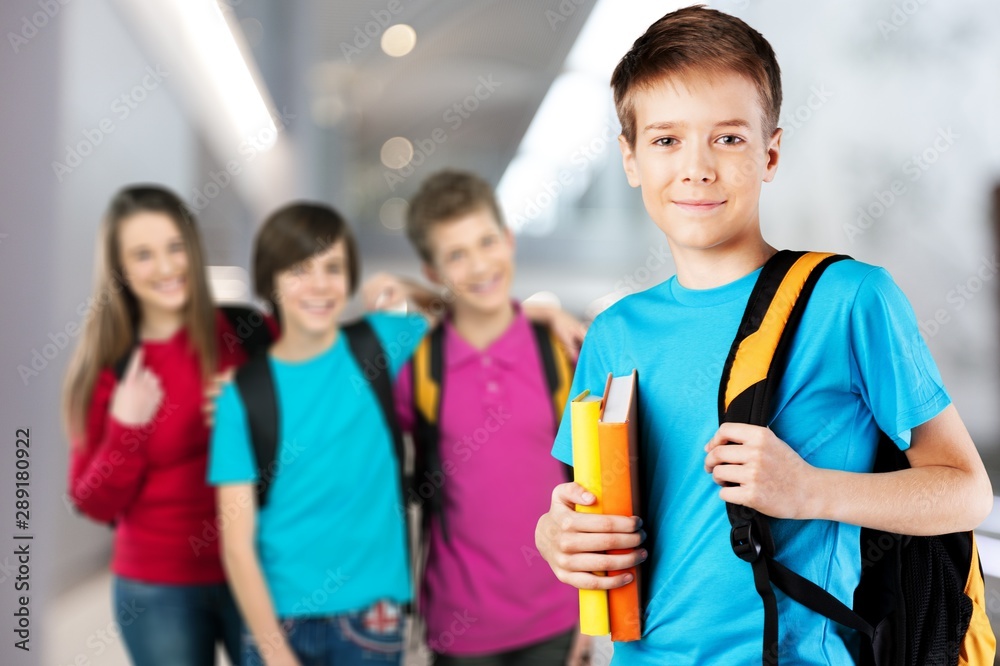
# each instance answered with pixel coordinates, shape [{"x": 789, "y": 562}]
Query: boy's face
[
  {"x": 311, "y": 295},
  {"x": 700, "y": 158},
  {"x": 474, "y": 258}
]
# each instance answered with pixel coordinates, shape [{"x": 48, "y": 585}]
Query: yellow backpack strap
[
  {"x": 555, "y": 365},
  {"x": 426, "y": 391}
]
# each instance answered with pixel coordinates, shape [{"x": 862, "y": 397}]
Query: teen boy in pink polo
[{"x": 487, "y": 597}]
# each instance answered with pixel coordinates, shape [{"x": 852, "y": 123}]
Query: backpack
[
  {"x": 249, "y": 330},
  {"x": 428, "y": 386},
  {"x": 915, "y": 603},
  {"x": 256, "y": 386}
]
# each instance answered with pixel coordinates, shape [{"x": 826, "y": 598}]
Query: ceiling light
[{"x": 399, "y": 40}]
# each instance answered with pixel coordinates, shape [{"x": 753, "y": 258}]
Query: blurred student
[
  {"x": 132, "y": 404},
  {"x": 487, "y": 455},
  {"x": 321, "y": 571}
]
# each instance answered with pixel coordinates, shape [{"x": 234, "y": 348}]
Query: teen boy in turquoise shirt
[{"x": 698, "y": 97}]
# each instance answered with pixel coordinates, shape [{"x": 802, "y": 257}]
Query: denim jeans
[
  {"x": 374, "y": 636},
  {"x": 176, "y": 625}
]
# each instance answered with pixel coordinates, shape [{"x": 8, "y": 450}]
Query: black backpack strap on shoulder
[
  {"x": 250, "y": 328},
  {"x": 374, "y": 365},
  {"x": 750, "y": 376},
  {"x": 428, "y": 392},
  {"x": 558, "y": 374},
  {"x": 256, "y": 386}
]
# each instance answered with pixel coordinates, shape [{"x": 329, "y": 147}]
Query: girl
[{"x": 139, "y": 442}]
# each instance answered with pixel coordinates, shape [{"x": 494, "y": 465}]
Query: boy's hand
[
  {"x": 756, "y": 469},
  {"x": 212, "y": 392},
  {"x": 384, "y": 291},
  {"x": 573, "y": 543},
  {"x": 569, "y": 330},
  {"x": 580, "y": 653}
]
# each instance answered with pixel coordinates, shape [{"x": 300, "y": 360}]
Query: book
[
  {"x": 585, "y": 410},
  {"x": 618, "y": 441}
]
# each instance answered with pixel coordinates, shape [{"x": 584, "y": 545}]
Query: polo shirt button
[
  {"x": 492, "y": 387},
  {"x": 487, "y": 361}
]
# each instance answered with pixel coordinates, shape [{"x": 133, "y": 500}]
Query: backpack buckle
[{"x": 745, "y": 543}]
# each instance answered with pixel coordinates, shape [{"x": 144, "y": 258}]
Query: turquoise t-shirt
[
  {"x": 331, "y": 538},
  {"x": 857, "y": 364}
]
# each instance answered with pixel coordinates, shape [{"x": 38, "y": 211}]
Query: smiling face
[
  {"x": 311, "y": 295},
  {"x": 700, "y": 158},
  {"x": 154, "y": 261},
  {"x": 473, "y": 256}
]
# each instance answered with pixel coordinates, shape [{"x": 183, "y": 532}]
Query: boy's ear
[
  {"x": 773, "y": 153},
  {"x": 628, "y": 161}
]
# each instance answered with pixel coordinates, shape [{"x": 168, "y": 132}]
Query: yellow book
[{"x": 585, "y": 410}]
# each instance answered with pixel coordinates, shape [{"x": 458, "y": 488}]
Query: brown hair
[
  {"x": 114, "y": 313},
  {"x": 293, "y": 234},
  {"x": 697, "y": 39},
  {"x": 443, "y": 197}
]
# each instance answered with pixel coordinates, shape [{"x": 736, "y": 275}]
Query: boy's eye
[
  {"x": 665, "y": 141},
  {"x": 177, "y": 246},
  {"x": 489, "y": 240},
  {"x": 335, "y": 269},
  {"x": 730, "y": 140},
  {"x": 142, "y": 255},
  {"x": 455, "y": 255}
]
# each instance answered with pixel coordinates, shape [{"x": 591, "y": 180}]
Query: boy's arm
[
  {"x": 946, "y": 490},
  {"x": 239, "y": 557}
]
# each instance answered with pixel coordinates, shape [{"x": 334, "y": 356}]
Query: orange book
[{"x": 618, "y": 436}]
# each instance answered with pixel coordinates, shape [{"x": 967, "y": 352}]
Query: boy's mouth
[
  {"x": 699, "y": 205},
  {"x": 317, "y": 307},
  {"x": 484, "y": 286}
]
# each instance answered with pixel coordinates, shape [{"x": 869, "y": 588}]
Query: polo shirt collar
[{"x": 508, "y": 349}]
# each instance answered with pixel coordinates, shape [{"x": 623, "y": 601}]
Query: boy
[
  {"x": 321, "y": 571},
  {"x": 698, "y": 97},
  {"x": 496, "y": 421}
]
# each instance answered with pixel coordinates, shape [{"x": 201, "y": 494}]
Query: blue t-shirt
[
  {"x": 331, "y": 538},
  {"x": 857, "y": 364}
]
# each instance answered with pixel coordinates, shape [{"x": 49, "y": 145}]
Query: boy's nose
[{"x": 699, "y": 166}]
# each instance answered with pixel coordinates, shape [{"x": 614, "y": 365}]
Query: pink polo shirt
[{"x": 488, "y": 590}]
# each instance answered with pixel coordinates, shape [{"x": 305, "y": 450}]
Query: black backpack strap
[
  {"x": 256, "y": 386},
  {"x": 750, "y": 376},
  {"x": 374, "y": 365},
  {"x": 250, "y": 329},
  {"x": 558, "y": 375},
  {"x": 428, "y": 391}
]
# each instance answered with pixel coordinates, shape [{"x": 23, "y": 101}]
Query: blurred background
[{"x": 891, "y": 154}]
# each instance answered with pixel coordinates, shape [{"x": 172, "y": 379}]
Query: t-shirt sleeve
[
  {"x": 230, "y": 456},
  {"x": 399, "y": 334},
  {"x": 591, "y": 373},
  {"x": 892, "y": 368}
]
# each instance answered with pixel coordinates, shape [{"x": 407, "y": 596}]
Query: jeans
[
  {"x": 176, "y": 625},
  {"x": 549, "y": 652},
  {"x": 368, "y": 637}
]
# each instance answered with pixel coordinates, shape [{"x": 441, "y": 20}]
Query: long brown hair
[{"x": 113, "y": 312}]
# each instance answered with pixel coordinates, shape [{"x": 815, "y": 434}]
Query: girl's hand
[
  {"x": 212, "y": 392},
  {"x": 138, "y": 395}
]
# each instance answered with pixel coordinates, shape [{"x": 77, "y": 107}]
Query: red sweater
[{"x": 150, "y": 480}]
